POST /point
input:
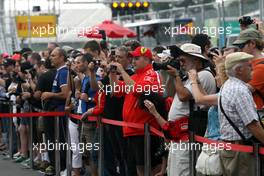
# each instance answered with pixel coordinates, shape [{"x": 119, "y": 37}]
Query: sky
[{"x": 44, "y": 4}]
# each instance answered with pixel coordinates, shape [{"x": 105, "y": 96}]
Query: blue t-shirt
[
  {"x": 90, "y": 92},
  {"x": 59, "y": 81},
  {"x": 213, "y": 127}
]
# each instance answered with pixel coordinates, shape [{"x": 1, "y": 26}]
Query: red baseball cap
[
  {"x": 5, "y": 55},
  {"x": 142, "y": 51},
  {"x": 16, "y": 57}
]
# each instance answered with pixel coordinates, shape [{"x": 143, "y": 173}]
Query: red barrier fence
[{"x": 234, "y": 147}]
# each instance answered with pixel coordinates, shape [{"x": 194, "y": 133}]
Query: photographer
[
  {"x": 247, "y": 22},
  {"x": 70, "y": 107},
  {"x": 85, "y": 64},
  {"x": 113, "y": 110},
  {"x": 144, "y": 77},
  {"x": 46, "y": 74},
  {"x": 251, "y": 42},
  {"x": 190, "y": 58},
  {"x": 7, "y": 72},
  {"x": 24, "y": 90}
]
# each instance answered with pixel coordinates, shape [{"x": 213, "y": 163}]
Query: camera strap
[{"x": 230, "y": 121}]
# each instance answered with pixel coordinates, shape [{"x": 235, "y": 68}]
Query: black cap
[
  {"x": 25, "y": 66},
  {"x": 9, "y": 62}
]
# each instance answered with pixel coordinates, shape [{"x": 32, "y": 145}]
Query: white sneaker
[
  {"x": 16, "y": 155},
  {"x": 63, "y": 173}
]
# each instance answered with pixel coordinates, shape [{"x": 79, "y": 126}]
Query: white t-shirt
[{"x": 180, "y": 109}]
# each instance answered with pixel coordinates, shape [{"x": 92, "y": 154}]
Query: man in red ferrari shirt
[{"x": 145, "y": 80}]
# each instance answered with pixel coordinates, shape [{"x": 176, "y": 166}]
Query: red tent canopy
[{"x": 112, "y": 30}]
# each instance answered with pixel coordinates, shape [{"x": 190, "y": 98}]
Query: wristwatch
[{"x": 90, "y": 99}]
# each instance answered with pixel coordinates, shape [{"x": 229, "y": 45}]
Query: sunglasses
[{"x": 242, "y": 45}]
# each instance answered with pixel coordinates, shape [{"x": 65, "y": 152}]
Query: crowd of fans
[{"x": 176, "y": 89}]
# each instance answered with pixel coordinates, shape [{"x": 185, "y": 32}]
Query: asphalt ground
[{"x": 9, "y": 168}]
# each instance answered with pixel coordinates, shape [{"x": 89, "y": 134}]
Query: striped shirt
[{"x": 239, "y": 106}]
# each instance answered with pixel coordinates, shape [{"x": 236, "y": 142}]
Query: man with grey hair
[
  {"x": 238, "y": 117},
  {"x": 117, "y": 144}
]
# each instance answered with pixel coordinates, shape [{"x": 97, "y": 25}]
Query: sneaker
[
  {"x": 43, "y": 166},
  {"x": 7, "y": 157},
  {"x": 17, "y": 155},
  {"x": 63, "y": 173},
  {"x": 2, "y": 148},
  {"x": 26, "y": 164},
  {"x": 50, "y": 170},
  {"x": 2, "y": 144},
  {"x": 20, "y": 159},
  {"x": 4, "y": 153},
  {"x": 36, "y": 165}
]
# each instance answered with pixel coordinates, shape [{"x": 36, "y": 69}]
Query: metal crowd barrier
[
  {"x": 101, "y": 147},
  {"x": 68, "y": 154}
]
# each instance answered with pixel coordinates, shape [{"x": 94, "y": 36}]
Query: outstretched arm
[{"x": 199, "y": 94}]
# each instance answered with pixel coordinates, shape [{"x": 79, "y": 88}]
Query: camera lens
[{"x": 113, "y": 68}]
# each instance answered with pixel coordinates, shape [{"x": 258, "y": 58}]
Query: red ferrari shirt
[{"x": 146, "y": 80}]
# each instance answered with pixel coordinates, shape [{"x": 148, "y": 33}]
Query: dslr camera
[
  {"x": 246, "y": 20},
  {"x": 97, "y": 62},
  {"x": 163, "y": 66},
  {"x": 175, "y": 52}
]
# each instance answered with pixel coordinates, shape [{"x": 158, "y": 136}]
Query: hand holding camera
[
  {"x": 116, "y": 67},
  {"x": 246, "y": 22},
  {"x": 172, "y": 71},
  {"x": 91, "y": 66},
  {"x": 216, "y": 55}
]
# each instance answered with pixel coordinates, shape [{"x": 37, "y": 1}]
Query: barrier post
[
  {"x": 10, "y": 141},
  {"x": 101, "y": 151},
  {"x": 257, "y": 159},
  {"x": 31, "y": 139},
  {"x": 192, "y": 154},
  {"x": 68, "y": 154},
  {"x": 57, "y": 151},
  {"x": 147, "y": 159}
]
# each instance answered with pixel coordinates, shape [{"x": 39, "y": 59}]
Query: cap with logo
[{"x": 142, "y": 51}]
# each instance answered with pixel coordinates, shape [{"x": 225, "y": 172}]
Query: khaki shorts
[{"x": 236, "y": 163}]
